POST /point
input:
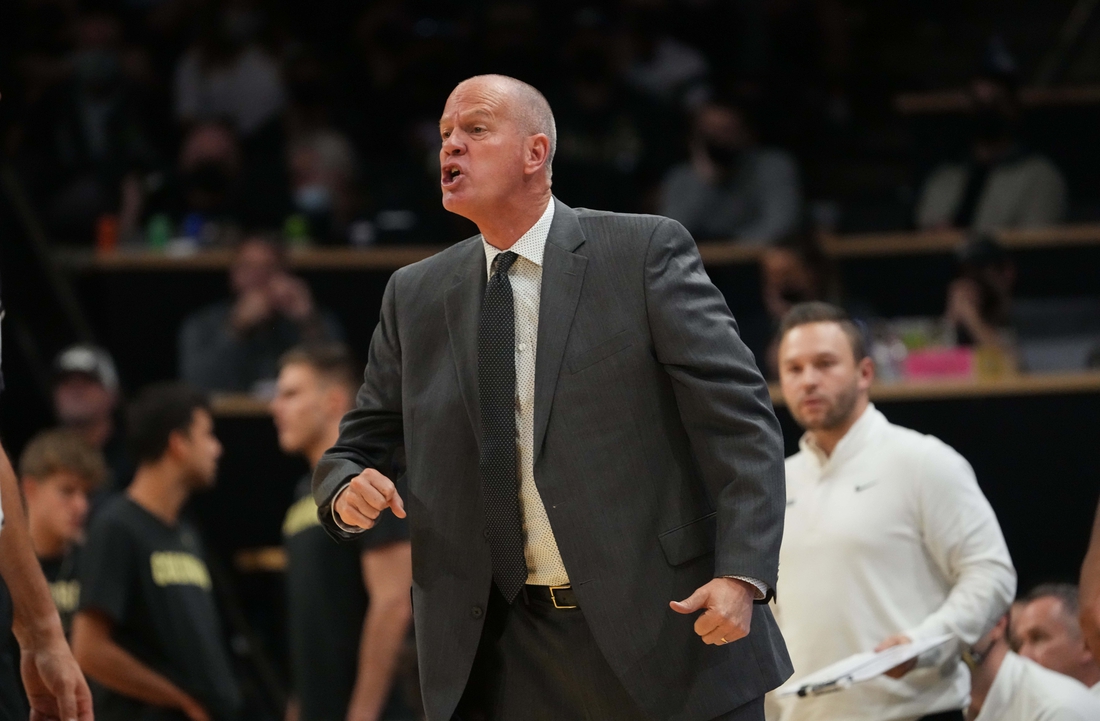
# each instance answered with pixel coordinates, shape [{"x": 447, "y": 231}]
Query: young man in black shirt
[
  {"x": 55, "y": 686},
  {"x": 58, "y": 471},
  {"x": 343, "y": 663},
  {"x": 148, "y": 629}
]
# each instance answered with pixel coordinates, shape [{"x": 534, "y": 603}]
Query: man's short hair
[
  {"x": 1064, "y": 592},
  {"x": 332, "y": 361},
  {"x": 160, "y": 410},
  {"x": 532, "y": 111},
  {"x": 60, "y": 449},
  {"x": 820, "y": 312}
]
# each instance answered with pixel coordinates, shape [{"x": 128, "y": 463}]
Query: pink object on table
[{"x": 940, "y": 363}]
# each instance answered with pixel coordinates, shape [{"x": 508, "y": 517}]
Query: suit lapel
[
  {"x": 462, "y": 304},
  {"x": 562, "y": 278}
]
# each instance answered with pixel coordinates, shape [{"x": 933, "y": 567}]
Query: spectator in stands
[
  {"x": 234, "y": 345},
  {"x": 85, "y": 400},
  {"x": 1002, "y": 184},
  {"x": 348, "y": 604},
  {"x": 795, "y": 270},
  {"x": 1007, "y": 687},
  {"x": 148, "y": 628},
  {"x": 226, "y": 74},
  {"x": 323, "y": 172},
  {"x": 888, "y": 538},
  {"x": 58, "y": 471},
  {"x": 87, "y": 144},
  {"x": 979, "y": 301},
  {"x": 1046, "y": 628},
  {"x": 659, "y": 65},
  {"x": 733, "y": 189}
]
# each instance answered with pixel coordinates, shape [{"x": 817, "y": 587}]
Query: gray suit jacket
[{"x": 657, "y": 455}]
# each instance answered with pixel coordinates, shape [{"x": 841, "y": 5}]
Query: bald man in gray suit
[{"x": 594, "y": 471}]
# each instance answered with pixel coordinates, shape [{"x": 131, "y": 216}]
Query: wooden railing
[{"x": 714, "y": 253}]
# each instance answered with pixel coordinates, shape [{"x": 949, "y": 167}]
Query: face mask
[
  {"x": 722, "y": 155},
  {"x": 313, "y": 198}
]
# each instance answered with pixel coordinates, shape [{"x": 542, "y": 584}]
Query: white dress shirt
[
  {"x": 544, "y": 564},
  {"x": 888, "y": 535},
  {"x": 1025, "y": 691}
]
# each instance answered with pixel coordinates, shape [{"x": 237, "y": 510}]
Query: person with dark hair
[
  {"x": 148, "y": 628},
  {"x": 732, "y": 189},
  {"x": 234, "y": 345},
  {"x": 1002, "y": 184},
  {"x": 348, "y": 605},
  {"x": 1045, "y": 628},
  {"x": 1005, "y": 686},
  {"x": 58, "y": 471},
  {"x": 979, "y": 301},
  {"x": 888, "y": 539}
]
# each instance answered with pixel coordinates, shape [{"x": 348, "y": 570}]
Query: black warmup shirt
[
  {"x": 151, "y": 581},
  {"x": 62, "y": 575},
  {"x": 326, "y": 606}
]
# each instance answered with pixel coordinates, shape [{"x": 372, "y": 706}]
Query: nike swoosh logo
[
  {"x": 865, "y": 486},
  {"x": 790, "y": 502}
]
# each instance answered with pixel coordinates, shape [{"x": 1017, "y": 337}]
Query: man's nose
[{"x": 452, "y": 145}]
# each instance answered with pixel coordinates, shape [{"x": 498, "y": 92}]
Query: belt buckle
[{"x": 555, "y": 598}]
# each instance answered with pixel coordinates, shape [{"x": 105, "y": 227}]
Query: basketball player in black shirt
[
  {"x": 348, "y": 603},
  {"x": 148, "y": 628}
]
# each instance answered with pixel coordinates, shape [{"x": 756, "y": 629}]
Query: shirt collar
[
  {"x": 530, "y": 245},
  {"x": 852, "y": 441}
]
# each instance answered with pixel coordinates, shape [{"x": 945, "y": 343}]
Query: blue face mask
[{"x": 313, "y": 198}]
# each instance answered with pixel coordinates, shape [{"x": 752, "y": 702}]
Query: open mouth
[{"x": 450, "y": 175}]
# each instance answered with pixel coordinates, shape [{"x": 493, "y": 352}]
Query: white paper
[{"x": 859, "y": 667}]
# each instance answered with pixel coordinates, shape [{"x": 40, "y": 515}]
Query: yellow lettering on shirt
[
  {"x": 173, "y": 568},
  {"x": 300, "y": 516},
  {"x": 66, "y": 595}
]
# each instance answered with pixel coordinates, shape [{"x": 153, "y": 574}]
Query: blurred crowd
[{"x": 199, "y": 120}]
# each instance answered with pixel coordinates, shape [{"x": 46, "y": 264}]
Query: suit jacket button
[
  {"x": 486, "y": 532},
  {"x": 476, "y": 612}
]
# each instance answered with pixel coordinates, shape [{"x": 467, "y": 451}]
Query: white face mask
[{"x": 313, "y": 198}]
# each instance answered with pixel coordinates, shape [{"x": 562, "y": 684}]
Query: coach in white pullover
[{"x": 888, "y": 537}]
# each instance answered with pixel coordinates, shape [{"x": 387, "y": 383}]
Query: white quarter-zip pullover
[{"x": 890, "y": 534}]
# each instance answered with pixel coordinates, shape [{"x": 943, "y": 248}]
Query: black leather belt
[{"x": 560, "y": 596}]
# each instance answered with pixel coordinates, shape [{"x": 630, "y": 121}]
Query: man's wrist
[{"x": 759, "y": 588}]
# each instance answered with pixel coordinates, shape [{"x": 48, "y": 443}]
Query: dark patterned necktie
[{"x": 496, "y": 378}]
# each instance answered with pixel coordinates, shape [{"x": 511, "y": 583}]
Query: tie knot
[{"x": 503, "y": 262}]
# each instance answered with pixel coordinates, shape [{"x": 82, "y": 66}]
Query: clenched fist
[{"x": 365, "y": 497}]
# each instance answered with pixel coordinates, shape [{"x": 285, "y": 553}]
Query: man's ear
[
  {"x": 30, "y": 486},
  {"x": 536, "y": 152},
  {"x": 177, "y": 444},
  {"x": 866, "y": 369}
]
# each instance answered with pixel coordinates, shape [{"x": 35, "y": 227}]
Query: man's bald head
[{"x": 527, "y": 106}]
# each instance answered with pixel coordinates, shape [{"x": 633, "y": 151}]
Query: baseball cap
[{"x": 89, "y": 360}]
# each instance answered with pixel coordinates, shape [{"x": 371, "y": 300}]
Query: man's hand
[
  {"x": 728, "y": 604},
  {"x": 251, "y": 309},
  {"x": 901, "y": 669},
  {"x": 55, "y": 686},
  {"x": 364, "y": 499},
  {"x": 291, "y": 297}
]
